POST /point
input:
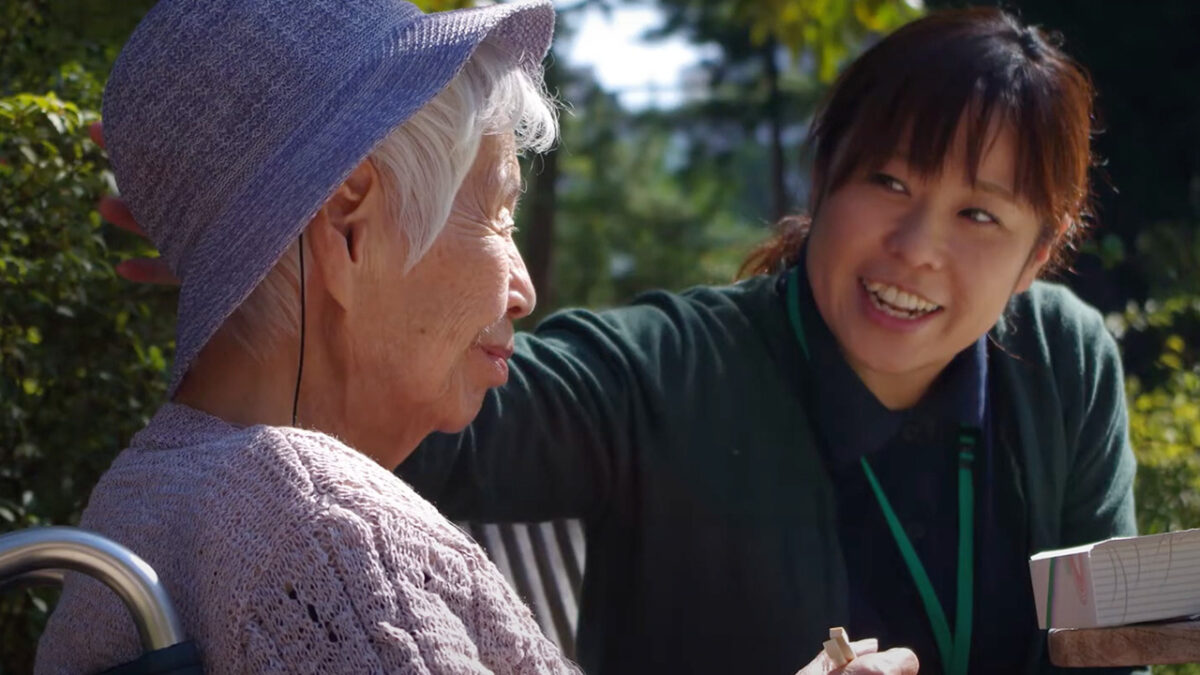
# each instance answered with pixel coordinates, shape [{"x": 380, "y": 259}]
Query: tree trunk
[
  {"x": 542, "y": 205},
  {"x": 539, "y": 245},
  {"x": 779, "y": 200}
]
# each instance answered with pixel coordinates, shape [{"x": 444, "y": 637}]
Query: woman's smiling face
[{"x": 909, "y": 269}]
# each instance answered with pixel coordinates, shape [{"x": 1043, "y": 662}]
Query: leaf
[
  {"x": 442, "y": 5},
  {"x": 57, "y": 121},
  {"x": 1175, "y": 343},
  {"x": 157, "y": 361},
  {"x": 27, "y": 152}
]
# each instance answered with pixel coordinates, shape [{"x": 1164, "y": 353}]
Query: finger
[
  {"x": 114, "y": 211},
  {"x": 863, "y": 647},
  {"x": 823, "y": 664},
  {"x": 96, "y": 132},
  {"x": 818, "y": 666},
  {"x": 898, "y": 661},
  {"x": 147, "y": 271}
]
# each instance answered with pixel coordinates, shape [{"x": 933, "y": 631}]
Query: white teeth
[
  {"x": 907, "y": 301},
  {"x": 896, "y": 302}
]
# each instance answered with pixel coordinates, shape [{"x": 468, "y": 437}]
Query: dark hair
[{"x": 971, "y": 66}]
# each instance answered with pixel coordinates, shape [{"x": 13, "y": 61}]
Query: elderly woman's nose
[{"x": 522, "y": 297}]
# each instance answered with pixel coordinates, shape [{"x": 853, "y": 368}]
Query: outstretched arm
[
  {"x": 585, "y": 391},
  {"x": 591, "y": 397}
]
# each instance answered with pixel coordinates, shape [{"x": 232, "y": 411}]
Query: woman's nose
[
  {"x": 522, "y": 297},
  {"x": 918, "y": 239}
]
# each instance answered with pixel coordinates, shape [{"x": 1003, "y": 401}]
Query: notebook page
[{"x": 1146, "y": 578}]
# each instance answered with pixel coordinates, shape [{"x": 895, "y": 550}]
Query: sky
[{"x": 641, "y": 73}]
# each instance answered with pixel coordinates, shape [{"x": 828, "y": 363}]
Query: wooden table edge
[{"x": 1139, "y": 645}]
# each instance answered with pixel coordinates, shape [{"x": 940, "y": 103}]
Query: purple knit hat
[{"x": 230, "y": 122}]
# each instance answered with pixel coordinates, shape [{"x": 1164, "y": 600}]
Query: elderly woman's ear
[{"x": 340, "y": 231}]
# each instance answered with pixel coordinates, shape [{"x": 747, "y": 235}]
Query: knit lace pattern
[{"x": 284, "y": 550}]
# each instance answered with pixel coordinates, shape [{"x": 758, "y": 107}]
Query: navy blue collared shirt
[{"x": 914, "y": 455}]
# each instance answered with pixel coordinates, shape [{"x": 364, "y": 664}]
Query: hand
[
  {"x": 112, "y": 209},
  {"x": 868, "y": 661}
]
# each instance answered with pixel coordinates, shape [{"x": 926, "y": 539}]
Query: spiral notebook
[{"x": 1118, "y": 581}]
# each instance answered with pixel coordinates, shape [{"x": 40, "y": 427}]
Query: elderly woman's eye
[{"x": 504, "y": 221}]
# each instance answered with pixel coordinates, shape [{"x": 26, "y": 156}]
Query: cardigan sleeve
[
  {"x": 1099, "y": 501},
  {"x": 344, "y": 594},
  {"x": 1066, "y": 371}
]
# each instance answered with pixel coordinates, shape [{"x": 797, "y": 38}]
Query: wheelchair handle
[{"x": 120, "y": 569}]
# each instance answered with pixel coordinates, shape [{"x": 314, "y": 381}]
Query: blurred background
[{"x": 683, "y": 140}]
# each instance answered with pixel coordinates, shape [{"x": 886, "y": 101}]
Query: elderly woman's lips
[
  {"x": 497, "y": 356},
  {"x": 503, "y": 353}
]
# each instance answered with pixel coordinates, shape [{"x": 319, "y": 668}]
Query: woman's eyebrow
[{"x": 995, "y": 189}]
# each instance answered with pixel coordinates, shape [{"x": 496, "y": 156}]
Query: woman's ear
[
  {"x": 1038, "y": 257},
  {"x": 338, "y": 233},
  {"x": 1037, "y": 260},
  {"x": 353, "y": 207}
]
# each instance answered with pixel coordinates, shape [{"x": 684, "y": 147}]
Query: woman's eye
[
  {"x": 504, "y": 221},
  {"x": 980, "y": 216},
  {"x": 890, "y": 183}
]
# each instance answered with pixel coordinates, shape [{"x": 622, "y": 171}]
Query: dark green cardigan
[{"x": 674, "y": 429}]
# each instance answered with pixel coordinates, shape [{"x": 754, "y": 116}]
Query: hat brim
[{"x": 261, "y": 221}]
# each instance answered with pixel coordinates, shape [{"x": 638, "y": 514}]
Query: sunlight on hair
[{"x": 422, "y": 164}]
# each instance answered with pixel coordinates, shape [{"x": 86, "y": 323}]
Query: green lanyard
[{"x": 954, "y": 648}]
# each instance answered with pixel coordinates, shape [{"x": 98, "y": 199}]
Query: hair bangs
[
  {"x": 910, "y": 95},
  {"x": 976, "y": 71}
]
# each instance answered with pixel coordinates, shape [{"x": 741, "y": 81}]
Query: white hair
[{"x": 421, "y": 164}]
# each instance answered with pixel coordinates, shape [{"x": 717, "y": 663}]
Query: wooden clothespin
[{"x": 838, "y": 648}]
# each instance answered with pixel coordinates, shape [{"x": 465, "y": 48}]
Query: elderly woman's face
[{"x": 445, "y": 326}]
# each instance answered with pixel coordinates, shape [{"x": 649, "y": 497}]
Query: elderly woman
[{"x": 333, "y": 183}]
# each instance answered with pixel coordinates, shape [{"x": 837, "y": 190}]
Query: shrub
[{"x": 82, "y": 353}]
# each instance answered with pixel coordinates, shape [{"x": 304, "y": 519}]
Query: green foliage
[
  {"x": 82, "y": 353},
  {"x": 751, "y": 84},
  {"x": 1169, "y": 257},
  {"x": 1164, "y": 410},
  {"x": 1165, "y": 429},
  {"x": 830, "y": 30},
  {"x": 63, "y": 46},
  {"x": 633, "y": 215},
  {"x": 1159, "y": 338},
  {"x": 442, "y": 5}
]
